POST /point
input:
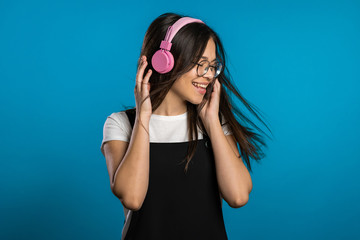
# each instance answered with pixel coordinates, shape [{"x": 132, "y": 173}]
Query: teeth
[{"x": 199, "y": 85}]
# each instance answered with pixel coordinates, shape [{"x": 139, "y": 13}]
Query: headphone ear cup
[{"x": 162, "y": 61}]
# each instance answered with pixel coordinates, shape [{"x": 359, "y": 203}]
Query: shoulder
[
  {"x": 118, "y": 121},
  {"x": 119, "y": 118},
  {"x": 116, "y": 127}
]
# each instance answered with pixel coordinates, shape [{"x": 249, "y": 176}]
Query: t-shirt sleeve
[
  {"x": 116, "y": 127},
  {"x": 225, "y": 127}
]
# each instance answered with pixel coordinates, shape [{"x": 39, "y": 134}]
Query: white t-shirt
[{"x": 161, "y": 128}]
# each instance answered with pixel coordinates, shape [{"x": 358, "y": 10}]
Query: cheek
[
  {"x": 184, "y": 81},
  {"x": 180, "y": 86},
  {"x": 191, "y": 76}
]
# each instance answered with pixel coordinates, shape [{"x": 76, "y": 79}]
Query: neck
[{"x": 171, "y": 106}]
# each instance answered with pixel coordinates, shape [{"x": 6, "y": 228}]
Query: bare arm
[
  {"x": 128, "y": 166},
  {"x": 131, "y": 178},
  {"x": 233, "y": 177}
]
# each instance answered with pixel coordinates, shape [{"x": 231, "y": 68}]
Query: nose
[{"x": 209, "y": 74}]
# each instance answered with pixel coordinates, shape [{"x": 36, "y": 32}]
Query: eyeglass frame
[{"x": 198, "y": 64}]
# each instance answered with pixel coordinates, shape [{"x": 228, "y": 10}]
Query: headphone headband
[{"x": 172, "y": 30}]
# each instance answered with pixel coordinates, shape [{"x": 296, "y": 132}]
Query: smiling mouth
[{"x": 200, "y": 85}]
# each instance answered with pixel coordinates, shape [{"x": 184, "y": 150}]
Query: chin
[{"x": 196, "y": 101}]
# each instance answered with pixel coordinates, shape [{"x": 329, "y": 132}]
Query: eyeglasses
[{"x": 204, "y": 65}]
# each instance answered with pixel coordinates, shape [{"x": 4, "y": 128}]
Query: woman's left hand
[{"x": 209, "y": 113}]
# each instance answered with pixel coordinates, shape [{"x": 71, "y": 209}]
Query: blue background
[{"x": 66, "y": 65}]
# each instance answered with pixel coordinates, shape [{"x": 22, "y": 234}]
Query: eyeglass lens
[{"x": 214, "y": 68}]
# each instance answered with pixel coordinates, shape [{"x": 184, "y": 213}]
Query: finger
[
  {"x": 213, "y": 85},
  {"x": 138, "y": 64},
  {"x": 139, "y": 77},
  {"x": 213, "y": 89},
  {"x": 140, "y": 61},
  {"x": 145, "y": 83},
  {"x": 217, "y": 85},
  {"x": 220, "y": 86}
]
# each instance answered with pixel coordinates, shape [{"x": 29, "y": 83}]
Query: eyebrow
[{"x": 207, "y": 58}]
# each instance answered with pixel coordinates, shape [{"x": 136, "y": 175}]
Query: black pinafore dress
[{"x": 179, "y": 206}]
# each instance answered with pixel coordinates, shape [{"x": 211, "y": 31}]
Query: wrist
[
  {"x": 144, "y": 117},
  {"x": 142, "y": 123}
]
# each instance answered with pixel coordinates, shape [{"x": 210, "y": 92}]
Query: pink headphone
[{"x": 163, "y": 61}]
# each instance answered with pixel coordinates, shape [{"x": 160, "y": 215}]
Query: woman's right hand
[{"x": 141, "y": 91}]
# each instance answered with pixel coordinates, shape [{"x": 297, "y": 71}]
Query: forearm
[
  {"x": 233, "y": 177},
  {"x": 132, "y": 175}
]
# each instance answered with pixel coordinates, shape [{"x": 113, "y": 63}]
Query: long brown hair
[{"x": 187, "y": 48}]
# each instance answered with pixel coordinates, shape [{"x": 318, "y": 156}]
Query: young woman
[{"x": 174, "y": 157}]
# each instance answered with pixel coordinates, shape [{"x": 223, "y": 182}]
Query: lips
[{"x": 200, "y": 88}]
